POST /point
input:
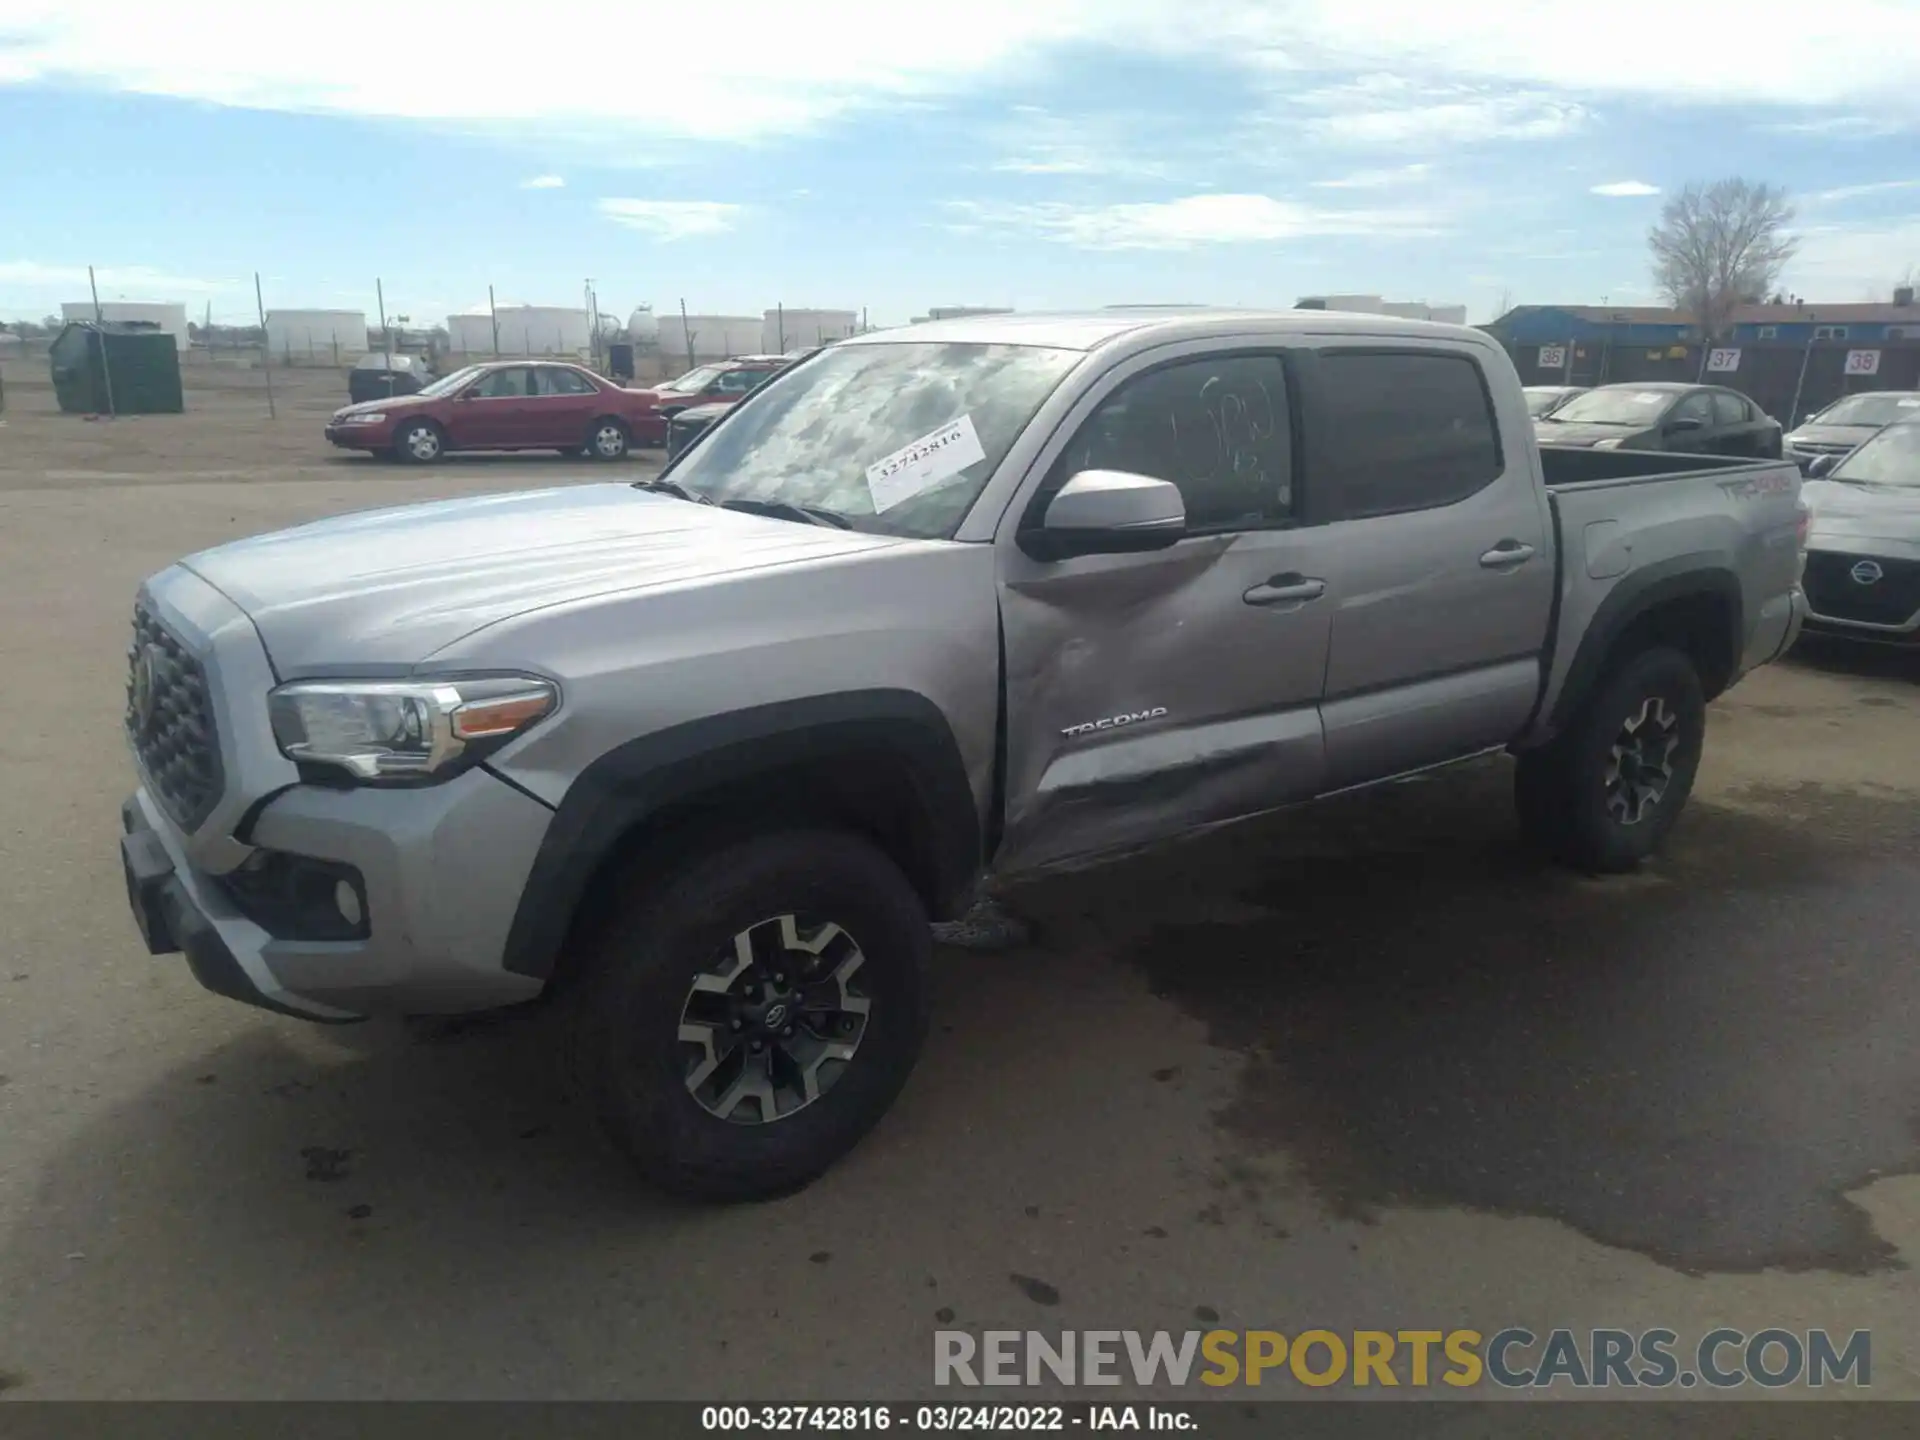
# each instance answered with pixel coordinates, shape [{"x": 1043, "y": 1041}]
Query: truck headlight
[{"x": 405, "y": 730}]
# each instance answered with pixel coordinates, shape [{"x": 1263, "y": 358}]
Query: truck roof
[{"x": 1090, "y": 329}]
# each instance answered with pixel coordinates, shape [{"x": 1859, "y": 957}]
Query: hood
[
  {"x": 1848, "y": 435},
  {"x": 711, "y": 410},
  {"x": 388, "y": 588},
  {"x": 383, "y": 405},
  {"x": 1551, "y": 432},
  {"x": 1844, "y": 515}
]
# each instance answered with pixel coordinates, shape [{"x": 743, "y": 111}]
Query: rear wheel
[
  {"x": 419, "y": 443},
  {"x": 608, "y": 439},
  {"x": 748, "y": 1018},
  {"x": 1603, "y": 796}
]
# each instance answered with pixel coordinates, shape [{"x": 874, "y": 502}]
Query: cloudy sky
[{"x": 896, "y": 154}]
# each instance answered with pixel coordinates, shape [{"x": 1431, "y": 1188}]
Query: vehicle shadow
[{"x": 1696, "y": 1062}]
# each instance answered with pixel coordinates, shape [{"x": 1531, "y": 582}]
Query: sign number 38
[{"x": 1863, "y": 362}]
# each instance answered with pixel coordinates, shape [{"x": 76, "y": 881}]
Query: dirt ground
[{"x": 1368, "y": 1065}]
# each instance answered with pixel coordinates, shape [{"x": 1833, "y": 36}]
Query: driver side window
[
  {"x": 1697, "y": 408},
  {"x": 1217, "y": 427},
  {"x": 509, "y": 384}
]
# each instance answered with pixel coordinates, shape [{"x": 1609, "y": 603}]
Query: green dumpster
[{"x": 117, "y": 369}]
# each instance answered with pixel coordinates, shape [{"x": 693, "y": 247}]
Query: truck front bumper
[{"x": 433, "y": 878}]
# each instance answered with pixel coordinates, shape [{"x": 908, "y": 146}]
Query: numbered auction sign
[
  {"x": 1553, "y": 357},
  {"x": 1863, "y": 362},
  {"x": 1722, "y": 361}
]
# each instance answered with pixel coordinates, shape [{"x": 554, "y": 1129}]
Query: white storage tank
[
  {"x": 523, "y": 330},
  {"x": 168, "y": 317},
  {"x": 783, "y": 330},
  {"x": 316, "y": 337},
  {"x": 715, "y": 337},
  {"x": 643, "y": 328}
]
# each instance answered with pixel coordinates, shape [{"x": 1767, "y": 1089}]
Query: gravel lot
[{"x": 1367, "y": 1066}]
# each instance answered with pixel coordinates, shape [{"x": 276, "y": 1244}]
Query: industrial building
[
  {"x": 166, "y": 317},
  {"x": 316, "y": 337},
  {"x": 1795, "y": 323},
  {"x": 783, "y": 330},
  {"x": 689, "y": 339},
  {"x": 510, "y": 330},
  {"x": 1399, "y": 309}
]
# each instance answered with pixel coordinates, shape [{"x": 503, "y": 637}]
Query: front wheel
[
  {"x": 1604, "y": 794},
  {"x": 608, "y": 440},
  {"x": 748, "y": 1018},
  {"x": 420, "y": 443}
]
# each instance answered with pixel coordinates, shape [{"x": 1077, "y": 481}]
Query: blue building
[{"x": 1654, "y": 326}]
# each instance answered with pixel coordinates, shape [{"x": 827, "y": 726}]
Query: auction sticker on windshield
[{"x": 924, "y": 463}]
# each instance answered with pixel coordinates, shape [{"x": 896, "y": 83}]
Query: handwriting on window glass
[{"x": 1232, "y": 445}]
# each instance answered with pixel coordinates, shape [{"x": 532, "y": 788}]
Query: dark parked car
[
  {"x": 1849, "y": 421},
  {"x": 686, "y": 426},
  {"x": 504, "y": 405},
  {"x": 1543, "y": 400},
  {"x": 724, "y": 383},
  {"x": 1685, "y": 419},
  {"x": 1863, "y": 551},
  {"x": 384, "y": 374}
]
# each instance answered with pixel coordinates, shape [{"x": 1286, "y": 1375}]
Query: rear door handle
[
  {"x": 1283, "y": 588},
  {"x": 1506, "y": 555}
]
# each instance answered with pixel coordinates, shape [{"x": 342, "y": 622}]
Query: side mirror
[
  {"x": 1822, "y": 466},
  {"x": 1683, "y": 424},
  {"x": 1109, "y": 512}
]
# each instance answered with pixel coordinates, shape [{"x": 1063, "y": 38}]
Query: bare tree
[{"x": 1720, "y": 245}]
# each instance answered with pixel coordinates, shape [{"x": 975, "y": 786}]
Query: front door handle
[
  {"x": 1506, "y": 555},
  {"x": 1283, "y": 588}
]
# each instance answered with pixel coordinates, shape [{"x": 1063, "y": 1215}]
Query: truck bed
[
  {"x": 1633, "y": 526},
  {"x": 1568, "y": 466}
]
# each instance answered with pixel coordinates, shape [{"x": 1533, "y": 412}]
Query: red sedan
[
  {"x": 505, "y": 405},
  {"x": 727, "y": 382}
]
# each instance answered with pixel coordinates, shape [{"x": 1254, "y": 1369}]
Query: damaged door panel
[{"x": 1152, "y": 694}]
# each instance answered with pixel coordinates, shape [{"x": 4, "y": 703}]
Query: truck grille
[
  {"x": 1833, "y": 591},
  {"x": 170, "y": 722}
]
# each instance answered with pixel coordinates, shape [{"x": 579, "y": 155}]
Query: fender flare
[
  {"x": 1638, "y": 594},
  {"x": 646, "y": 777}
]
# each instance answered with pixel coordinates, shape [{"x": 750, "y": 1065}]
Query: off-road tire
[
  {"x": 1561, "y": 791},
  {"x": 631, "y": 1068}
]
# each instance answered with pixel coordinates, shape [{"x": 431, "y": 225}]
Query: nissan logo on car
[{"x": 1866, "y": 573}]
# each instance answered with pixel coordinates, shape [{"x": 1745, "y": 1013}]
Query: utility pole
[
  {"x": 100, "y": 329},
  {"x": 493, "y": 313},
  {"x": 685, "y": 333},
  {"x": 386, "y": 335},
  {"x": 266, "y": 351},
  {"x": 1793, "y": 414}
]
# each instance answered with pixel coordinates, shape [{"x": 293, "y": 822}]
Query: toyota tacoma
[{"x": 699, "y": 758}]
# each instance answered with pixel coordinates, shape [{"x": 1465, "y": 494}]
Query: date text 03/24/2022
[{"x": 975, "y": 1419}]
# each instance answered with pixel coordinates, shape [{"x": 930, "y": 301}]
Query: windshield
[
  {"x": 1625, "y": 406},
  {"x": 1870, "y": 410},
  {"x": 691, "y": 381},
  {"x": 1890, "y": 458},
  {"x": 1539, "y": 402},
  {"x": 447, "y": 384},
  {"x": 896, "y": 439}
]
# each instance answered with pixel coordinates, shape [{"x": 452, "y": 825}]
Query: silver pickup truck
[{"x": 700, "y": 757}]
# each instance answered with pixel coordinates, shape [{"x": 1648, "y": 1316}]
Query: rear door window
[
  {"x": 1729, "y": 410},
  {"x": 1403, "y": 430}
]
